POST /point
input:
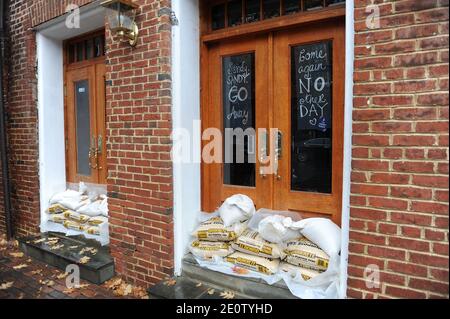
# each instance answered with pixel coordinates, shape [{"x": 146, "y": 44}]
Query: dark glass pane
[
  {"x": 313, "y": 4},
  {"x": 271, "y": 8},
  {"x": 234, "y": 13},
  {"x": 89, "y": 49},
  {"x": 253, "y": 11},
  {"x": 80, "y": 51},
  {"x": 98, "y": 46},
  {"x": 218, "y": 17},
  {"x": 312, "y": 103},
  {"x": 71, "y": 53},
  {"x": 291, "y": 6},
  {"x": 83, "y": 126},
  {"x": 239, "y": 113}
]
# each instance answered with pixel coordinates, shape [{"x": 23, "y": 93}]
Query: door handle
[
  {"x": 99, "y": 149},
  {"x": 278, "y": 152},
  {"x": 263, "y": 152}
]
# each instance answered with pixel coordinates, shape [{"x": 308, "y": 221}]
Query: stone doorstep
[
  {"x": 98, "y": 270},
  {"x": 244, "y": 288}
]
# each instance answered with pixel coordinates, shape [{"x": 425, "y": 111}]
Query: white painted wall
[
  {"x": 186, "y": 110},
  {"x": 52, "y": 164}
]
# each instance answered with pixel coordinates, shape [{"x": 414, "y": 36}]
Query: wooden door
[
  {"x": 237, "y": 97},
  {"x": 85, "y": 124},
  {"x": 309, "y": 90}
]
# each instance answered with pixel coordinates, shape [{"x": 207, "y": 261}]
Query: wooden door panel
[
  {"x": 311, "y": 203},
  {"x": 216, "y": 190}
]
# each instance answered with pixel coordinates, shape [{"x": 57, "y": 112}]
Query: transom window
[
  {"x": 231, "y": 13},
  {"x": 86, "y": 48}
]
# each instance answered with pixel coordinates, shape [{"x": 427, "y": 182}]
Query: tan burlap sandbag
[
  {"x": 250, "y": 242},
  {"x": 260, "y": 264},
  {"x": 292, "y": 270},
  {"x": 214, "y": 230},
  {"x": 209, "y": 249},
  {"x": 80, "y": 218},
  {"x": 304, "y": 253},
  {"x": 56, "y": 209},
  {"x": 57, "y": 218}
]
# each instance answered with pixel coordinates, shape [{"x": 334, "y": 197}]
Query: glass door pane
[
  {"x": 311, "y": 148},
  {"x": 239, "y": 115},
  {"x": 83, "y": 127}
]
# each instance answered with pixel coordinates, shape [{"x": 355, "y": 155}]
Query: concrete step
[
  {"x": 99, "y": 269},
  {"x": 248, "y": 288}
]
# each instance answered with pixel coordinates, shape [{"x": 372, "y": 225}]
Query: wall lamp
[{"x": 121, "y": 16}]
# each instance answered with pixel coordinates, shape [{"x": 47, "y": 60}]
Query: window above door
[{"x": 224, "y": 14}]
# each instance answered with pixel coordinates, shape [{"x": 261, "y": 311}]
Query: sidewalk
[{"x": 25, "y": 278}]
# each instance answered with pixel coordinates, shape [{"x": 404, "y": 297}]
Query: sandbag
[
  {"x": 73, "y": 225},
  {"x": 275, "y": 229},
  {"x": 214, "y": 230},
  {"x": 57, "y": 218},
  {"x": 56, "y": 209},
  {"x": 250, "y": 242},
  {"x": 306, "y": 254},
  {"x": 259, "y": 264},
  {"x": 97, "y": 221},
  {"x": 236, "y": 209},
  {"x": 91, "y": 209},
  {"x": 323, "y": 232},
  {"x": 209, "y": 249},
  {"x": 93, "y": 230},
  {"x": 293, "y": 271},
  {"x": 80, "y": 218}
]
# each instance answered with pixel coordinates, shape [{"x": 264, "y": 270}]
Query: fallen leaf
[
  {"x": 68, "y": 291},
  {"x": 128, "y": 290},
  {"x": 227, "y": 295},
  {"x": 17, "y": 255},
  {"x": 56, "y": 247},
  {"x": 170, "y": 282},
  {"x": 211, "y": 291},
  {"x": 240, "y": 271},
  {"x": 18, "y": 267},
  {"x": 81, "y": 286},
  {"x": 113, "y": 283},
  {"x": 48, "y": 283},
  {"x": 3, "y": 242},
  {"x": 29, "y": 260},
  {"x": 84, "y": 260},
  {"x": 6, "y": 285},
  {"x": 62, "y": 276},
  {"x": 199, "y": 284},
  {"x": 21, "y": 296},
  {"x": 38, "y": 241},
  {"x": 73, "y": 247},
  {"x": 37, "y": 272}
]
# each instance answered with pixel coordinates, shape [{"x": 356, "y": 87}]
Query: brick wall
[
  {"x": 139, "y": 164},
  {"x": 138, "y": 129},
  {"x": 399, "y": 201}
]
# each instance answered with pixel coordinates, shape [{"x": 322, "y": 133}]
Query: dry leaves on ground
[
  {"x": 6, "y": 285},
  {"x": 17, "y": 255},
  {"x": 84, "y": 260},
  {"x": 38, "y": 241},
  {"x": 56, "y": 247},
  {"x": 91, "y": 250},
  {"x": 62, "y": 276},
  {"x": 21, "y": 266},
  {"x": 170, "y": 282},
  {"x": 48, "y": 283},
  {"x": 227, "y": 295},
  {"x": 199, "y": 285},
  {"x": 37, "y": 272},
  {"x": 122, "y": 289},
  {"x": 3, "y": 242},
  {"x": 211, "y": 292}
]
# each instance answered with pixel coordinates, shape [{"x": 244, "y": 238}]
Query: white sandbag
[
  {"x": 323, "y": 232},
  {"x": 209, "y": 249},
  {"x": 304, "y": 253},
  {"x": 104, "y": 205},
  {"x": 67, "y": 195},
  {"x": 250, "y": 242},
  {"x": 235, "y": 209},
  {"x": 275, "y": 229},
  {"x": 74, "y": 204},
  {"x": 214, "y": 229},
  {"x": 255, "y": 263},
  {"x": 91, "y": 209},
  {"x": 293, "y": 271}
]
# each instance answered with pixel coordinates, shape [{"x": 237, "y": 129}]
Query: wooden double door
[{"x": 290, "y": 84}]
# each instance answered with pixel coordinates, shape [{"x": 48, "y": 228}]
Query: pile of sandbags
[
  {"x": 79, "y": 211},
  {"x": 214, "y": 236}
]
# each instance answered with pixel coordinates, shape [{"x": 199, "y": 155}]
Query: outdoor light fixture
[{"x": 121, "y": 18}]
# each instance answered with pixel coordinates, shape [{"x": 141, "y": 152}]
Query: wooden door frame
[
  {"x": 208, "y": 38},
  {"x": 95, "y": 63}
]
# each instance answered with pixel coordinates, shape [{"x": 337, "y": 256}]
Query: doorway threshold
[{"x": 94, "y": 261}]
